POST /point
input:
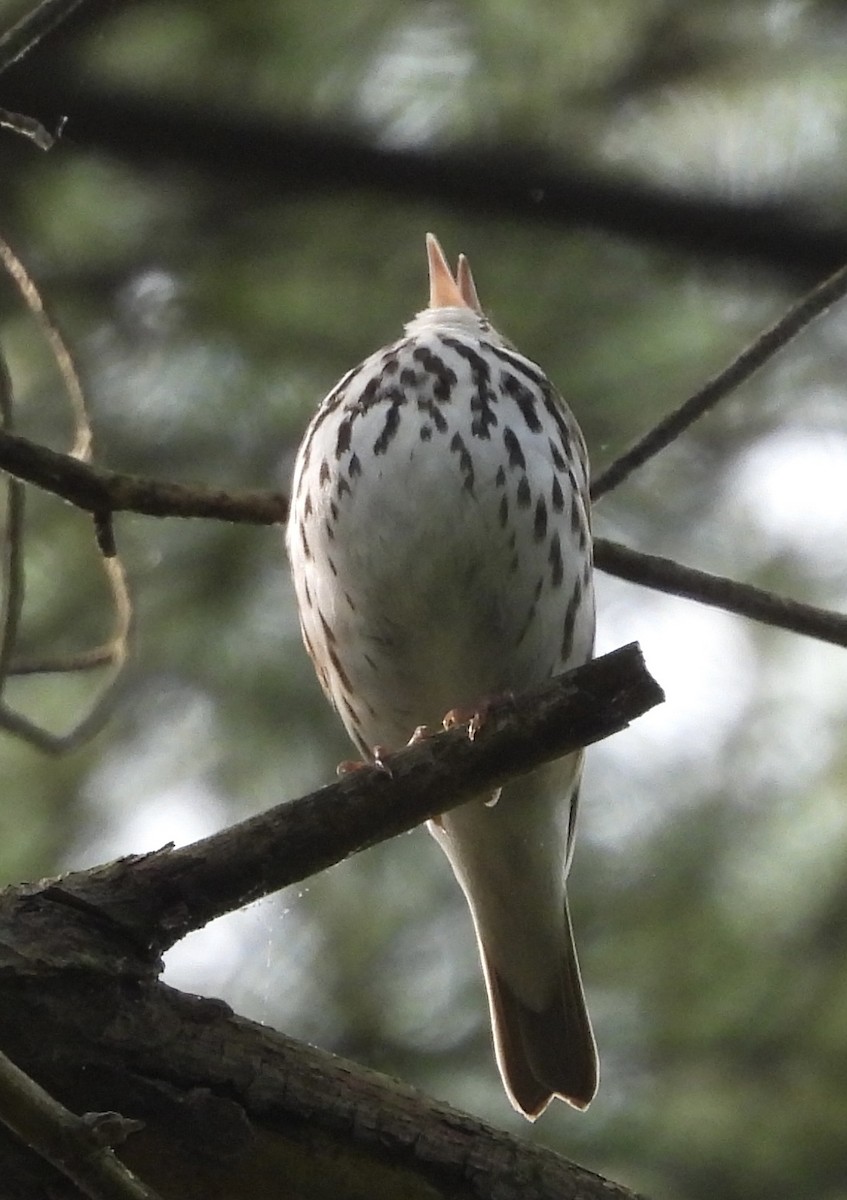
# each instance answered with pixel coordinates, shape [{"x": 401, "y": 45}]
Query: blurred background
[{"x": 233, "y": 216}]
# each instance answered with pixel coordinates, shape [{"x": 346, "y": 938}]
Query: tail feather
[
  {"x": 547, "y": 1052},
  {"x": 510, "y": 860}
]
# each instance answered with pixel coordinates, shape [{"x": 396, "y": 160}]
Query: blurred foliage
[{"x": 209, "y": 318}]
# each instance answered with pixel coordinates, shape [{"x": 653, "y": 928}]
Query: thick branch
[
  {"x": 159, "y": 898},
  {"x": 521, "y": 182},
  {"x": 234, "y": 1110}
]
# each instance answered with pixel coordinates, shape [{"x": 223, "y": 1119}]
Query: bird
[{"x": 439, "y": 537}]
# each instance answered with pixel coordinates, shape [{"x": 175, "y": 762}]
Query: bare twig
[
  {"x": 74, "y": 1145},
  {"x": 81, "y": 448},
  {"x": 115, "y": 650},
  {"x": 29, "y": 31},
  {"x": 28, "y": 127},
  {"x": 749, "y": 361},
  {"x": 112, "y": 653},
  {"x": 743, "y": 599},
  {"x": 86, "y": 660},
  {"x": 11, "y": 556}
]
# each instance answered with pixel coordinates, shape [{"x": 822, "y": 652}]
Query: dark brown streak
[
  {"x": 328, "y": 634},
  {"x": 524, "y": 398},
  {"x": 554, "y": 406},
  {"x": 435, "y": 367},
  {"x": 570, "y": 621},
  {"x": 392, "y": 422},
  {"x": 457, "y": 446},
  {"x": 557, "y": 496},
  {"x": 539, "y": 528},
  {"x": 513, "y": 449},
  {"x": 339, "y": 670},
  {"x": 484, "y": 415},
  {"x": 524, "y": 366},
  {"x": 555, "y": 560},
  {"x": 345, "y": 434},
  {"x": 428, "y": 406}
]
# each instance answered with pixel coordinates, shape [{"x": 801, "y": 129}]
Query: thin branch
[
  {"x": 62, "y": 356},
  {"x": 158, "y": 898},
  {"x": 85, "y": 660},
  {"x": 102, "y": 493},
  {"x": 749, "y": 361},
  {"x": 114, "y": 653},
  {"x": 13, "y": 563},
  {"x": 96, "y": 490},
  {"x": 26, "y": 33},
  {"x": 717, "y": 591},
  {"x": 11, "y": 550},
  {"x": 74, "y": 1145},
  {"x": 27, "y": 127}
]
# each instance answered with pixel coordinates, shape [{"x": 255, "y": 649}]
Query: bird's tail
[{"x": 547, "y": 1051}]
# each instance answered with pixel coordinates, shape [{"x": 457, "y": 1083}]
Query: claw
[
  {"x": 420, "y": 735},
  {"x": 348, "y": 766},
  {"x": 378, "y": 756},
  {"x": 457, "y": 716},
  {"x": 474, "y": 718}
]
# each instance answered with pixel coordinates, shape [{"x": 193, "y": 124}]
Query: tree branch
[
  {"x": 233, "y": 1109},
  {"x": 97, "y": 490},
  {"x": 74, "y": 1145},
  {"x": 31, "y": 29},
  {"x": 742, "y": 599},
  {"x": 523, "y": 182},
  {"x": 159, "y": 898},
  {"x": 750, "y": 360},
  {"x": 225, "y": 1103}
]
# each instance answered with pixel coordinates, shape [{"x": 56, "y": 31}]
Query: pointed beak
[
  {"x": 466, "y": 285},
  {"x": 443, "y": 290}
]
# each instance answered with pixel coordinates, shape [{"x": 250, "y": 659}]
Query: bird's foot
[
  {"x": 379, "y": 754},
  {"x": 474, "y": 716}
]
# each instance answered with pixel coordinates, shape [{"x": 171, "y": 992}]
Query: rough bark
[{"x": 231, "y": 1109}]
